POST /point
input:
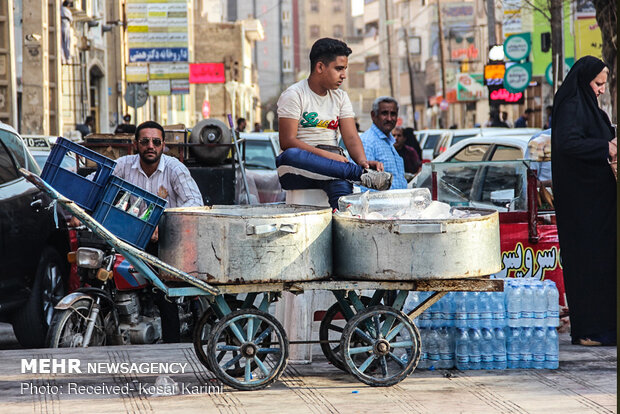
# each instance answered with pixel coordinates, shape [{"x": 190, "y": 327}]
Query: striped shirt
[
  {"x": 171, "y": 180},
  {"x": 379, "y": 147}
]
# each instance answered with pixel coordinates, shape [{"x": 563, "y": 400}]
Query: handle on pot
[
  {"x": 262, "y": 229},
  {"x": 427, "y": 228}
]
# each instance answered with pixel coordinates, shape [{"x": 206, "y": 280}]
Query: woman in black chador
[{"x": 582, "y": 143}]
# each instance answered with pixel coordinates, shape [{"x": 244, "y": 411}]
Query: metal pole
[
  {"x": 441, "y": 57},
  {"x": 241, "y": 163},
  {"x": 491, "y": 22},
  {"x": 389, "y": 48},
  {"x": 411, "y": 77}
]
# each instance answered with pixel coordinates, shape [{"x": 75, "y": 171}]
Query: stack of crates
[{"x": 127, "y": 211}]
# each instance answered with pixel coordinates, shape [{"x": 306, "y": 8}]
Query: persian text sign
[
  {"x": 517, "y": 47},
  {"x": 518, "y": 77},
  {"x": 207, "y": 73},
  {"x": 157, "y": 30}
]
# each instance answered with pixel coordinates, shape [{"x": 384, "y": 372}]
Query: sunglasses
[{"x": 145, "y": 141}]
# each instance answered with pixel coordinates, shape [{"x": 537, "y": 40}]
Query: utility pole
[
  {"x": 492, "y": 39},
  {"x": 389, "y": 47},
  {"x": 441, "y": 57},
  {"x": 491, "y": 22},
  {"x": 411, "y": 76}
]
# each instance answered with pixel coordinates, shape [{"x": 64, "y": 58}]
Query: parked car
[
  {"x": 33, "y": 250},
  {"x": 259, "y": 150},
  {"x": 428, "y": 139},
  {"x": 486, "y": 147},
  {"x": 453, "y": 136},
  {"x": 40, "y": 147}
]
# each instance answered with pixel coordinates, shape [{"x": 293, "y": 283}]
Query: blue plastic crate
[
  {"x": 86, "y": 193},
  {"x": 123, "y": 224}
]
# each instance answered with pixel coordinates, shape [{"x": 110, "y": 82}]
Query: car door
[{"x": 24, "y": 221}]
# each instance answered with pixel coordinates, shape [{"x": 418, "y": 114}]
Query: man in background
[
  {"x": 126, "y": 127},
  {"x": 521, "y": 122},
  {"x": 379, "y": 143},
  {"x": 409, "y": 155}
]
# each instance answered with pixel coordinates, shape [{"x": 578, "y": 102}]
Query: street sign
[
  {"x": 518, "y": 77},
  {"x": 136, "y": 95},
  {"x": 517, "y": 47},
  {"x": 568, "y": 63}
]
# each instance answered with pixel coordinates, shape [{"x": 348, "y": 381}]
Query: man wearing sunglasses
[
  {"x": 156, "y": 172},
  {"x": 167, "y": 177}
]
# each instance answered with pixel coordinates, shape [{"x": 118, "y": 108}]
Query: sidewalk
[{"x": 584, "y": 383}]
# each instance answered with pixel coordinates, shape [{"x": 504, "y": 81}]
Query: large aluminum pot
[
  {"x": 248, "y": 244},
  {"x": 417, "y": 249}
]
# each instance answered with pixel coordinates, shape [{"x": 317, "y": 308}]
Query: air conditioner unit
[{"x": 83, "y": 43}]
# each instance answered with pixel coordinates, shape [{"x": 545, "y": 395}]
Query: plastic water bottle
[
  {"x": 446, "y": 348},
  {"x": 540, "y": 304},
  {"x": 527, "y": 306},
  {"x": 435, "y": 315},
  {"x": 553, "y": 303},
  {"x": 499, "y": 349},
  {"x": 423, "y": 362},
  {"x": 460, "y": 310},
  {"x": 513, "y": 304},
  {"x": 525, "y": 351},
  {"x": 513, "y": 346},
  {"x": 447, "y": 310},
  {"x": 538, "y": 348},
  {"x": 498, "y": 309},
  {"x": 432, "y": 348},
  {"x": 486, "y": 314},
  {"x": 552, "y": 347},
  {"x": 462, "y": 349},
  {"x": 486, "y": 348},
  {"x": 425, "y": 320},
  {"x": 411, "y": 302},
  {"x": 475, "y": 357},
  {"x": 473, "y": 312}
]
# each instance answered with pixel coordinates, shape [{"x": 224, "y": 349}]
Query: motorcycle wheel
[{"x": 69, "y": 326}]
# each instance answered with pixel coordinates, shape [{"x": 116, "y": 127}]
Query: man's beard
[{"x": 150, "y": 161}]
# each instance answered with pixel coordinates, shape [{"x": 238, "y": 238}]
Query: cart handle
[{"x": 102, "y": 232}]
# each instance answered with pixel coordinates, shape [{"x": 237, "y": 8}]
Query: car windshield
[
  {"x": 68, "y": 161},
  {"x": 260, "y": 154},
  {"x": 500, "y": 185},
  {"x": 458, "y": 138},
  {"x": 431, "y": 140}
]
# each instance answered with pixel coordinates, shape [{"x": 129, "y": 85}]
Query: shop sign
[
  {"x": 517, "y": 47},
  {"x": 518, "y": 77},
  {"x": 494, "y": 74},
  {"x": 500, "y": 95},
  {"x": 207, "y": 73},
  {"x": 470, "y": 87}
]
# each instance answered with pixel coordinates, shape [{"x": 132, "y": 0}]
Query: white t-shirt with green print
[{"x": 319, "y": 116}]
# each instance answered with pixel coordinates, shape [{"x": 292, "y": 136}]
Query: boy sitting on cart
[{"x": 310, "y": 113}]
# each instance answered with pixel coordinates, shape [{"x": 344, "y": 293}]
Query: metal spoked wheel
[
  {"x": 381, "y": 346},
  {"x": 261, "y": 350},
  {"x": 332, "y": 326},
  {"x": 68, "y": 327}
]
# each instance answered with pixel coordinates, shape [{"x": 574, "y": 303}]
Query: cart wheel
[
  {"x": 262, "y": 350},
  {"x": 204, "y": 327},
  {"x": 381, "y": 346},
  {"x": 202, "y": 333},
  {"x": 331, "y": 330}
]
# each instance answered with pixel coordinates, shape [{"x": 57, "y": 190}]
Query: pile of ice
[{"x": 410, "y": 204}]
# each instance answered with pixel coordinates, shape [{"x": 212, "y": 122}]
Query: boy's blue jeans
[{"x": 302, "y": 170}]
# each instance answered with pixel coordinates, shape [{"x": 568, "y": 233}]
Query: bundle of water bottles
[{"x": 491, "y": 330}]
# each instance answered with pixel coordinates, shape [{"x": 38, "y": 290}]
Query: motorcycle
[{"x": 115, "y": 305}]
